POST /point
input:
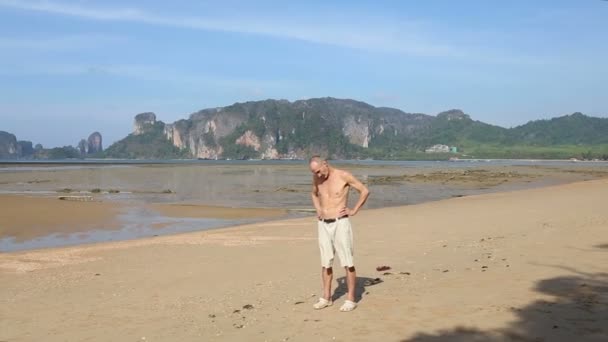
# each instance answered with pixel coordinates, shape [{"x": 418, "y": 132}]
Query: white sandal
[
  {"x": 348, "y": 305},
  {"x": 322, "y": 303}
]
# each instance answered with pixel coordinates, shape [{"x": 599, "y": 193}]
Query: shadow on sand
[
  {"x": 360, "y": 287},
  {"x": 578, "y": 312}
]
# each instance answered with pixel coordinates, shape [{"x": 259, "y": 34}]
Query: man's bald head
[
  {"x": 316, "y": 160},
  {"x": 319, "y": 166}
]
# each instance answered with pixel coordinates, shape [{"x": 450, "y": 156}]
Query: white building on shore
[{"x": 438, "y": 149}]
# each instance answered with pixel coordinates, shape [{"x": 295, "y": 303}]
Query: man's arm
[
  {"x": 315, "y": 198},
  {"x": 363, "y": 194}
]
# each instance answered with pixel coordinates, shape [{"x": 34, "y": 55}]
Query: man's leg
[
  {"x": 327, "y": 275},
  {"x": 344, "y": 249},
  {"x": 327, "y": 258},
  {"x": 351, "y": 280},
  {"x": 325, "y": 299}
]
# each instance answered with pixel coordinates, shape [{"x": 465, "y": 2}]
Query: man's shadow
[{"x": 361, "y": 285}]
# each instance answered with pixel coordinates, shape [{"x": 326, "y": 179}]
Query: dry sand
[{"x": 528, "y": 265}]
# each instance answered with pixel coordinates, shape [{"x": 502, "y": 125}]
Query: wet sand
[
  {"x": 26, "y": 217},
  {"x": 527, "y": 265},
  {"x": 39, "y": 222},
  {"x": 195, "y": 210}
]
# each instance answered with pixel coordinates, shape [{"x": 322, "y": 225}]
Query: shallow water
[
  {"x": 251, "y": 184},
  {"x": 135, "y": 223}
]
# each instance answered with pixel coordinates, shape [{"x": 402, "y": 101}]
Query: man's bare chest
[{"x": 335, "y": 189}]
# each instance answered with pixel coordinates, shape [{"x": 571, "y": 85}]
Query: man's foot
[
  {"x": 322, "y": 303},
  {"x": 348, "y": 305}
]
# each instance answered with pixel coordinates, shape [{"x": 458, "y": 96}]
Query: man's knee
[{"x": 350, "y": 269}]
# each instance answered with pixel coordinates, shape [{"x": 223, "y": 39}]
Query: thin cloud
[
  {"x": 376, "y": 35},
  {"x": 144, "y": 73},
  {"x": 163, "y": 74},
  {"x": 66, "y": 42}
]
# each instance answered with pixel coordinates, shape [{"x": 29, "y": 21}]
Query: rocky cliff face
[
  {"x": 143, "y": 122},
  {"x": 94, "y": 143},
  {"x": 11, "y": 148},
  {"x": 283, "y": 129},
  {"x": 453, "y": 114},
  {"x": 25, "y": 148},
  {"x": 357, "y": 129},
  {"x": 203, "y": 130},
  {"x": 249, "y": 139},
  {"x": 8, "y": 145}
]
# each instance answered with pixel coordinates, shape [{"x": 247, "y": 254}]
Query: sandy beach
[{"x": 525, "y": 265}]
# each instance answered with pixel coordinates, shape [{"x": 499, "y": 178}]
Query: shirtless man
[{"x": 330, "y": 188}]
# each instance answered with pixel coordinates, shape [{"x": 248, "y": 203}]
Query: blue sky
[{"x": 69, "y": 68}]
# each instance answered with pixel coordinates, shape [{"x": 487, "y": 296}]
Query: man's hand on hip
[{"x": 346, "y": 212}]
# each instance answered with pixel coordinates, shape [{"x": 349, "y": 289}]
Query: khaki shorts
[{"x": 336, "y": 238}]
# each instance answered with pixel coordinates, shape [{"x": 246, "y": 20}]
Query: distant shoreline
[{"x": 269, "y": 161}]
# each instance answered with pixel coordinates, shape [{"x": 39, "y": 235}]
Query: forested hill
[{"x": 343, "y": 128}]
